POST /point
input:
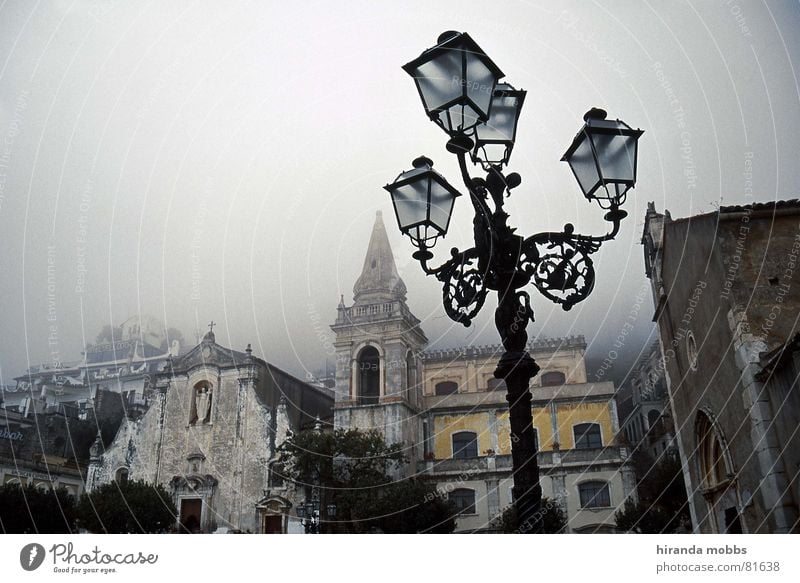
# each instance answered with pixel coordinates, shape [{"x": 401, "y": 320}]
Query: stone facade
[
  {"x": 210, "y": 437},
  {"x": 725, "y": 287},
  {"x": 378, "y": 353}
]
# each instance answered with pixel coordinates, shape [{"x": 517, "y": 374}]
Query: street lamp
[
  {"x": 461, "y": 92},
  {"x": 309, "y": 511}
]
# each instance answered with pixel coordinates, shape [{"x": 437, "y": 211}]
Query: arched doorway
[{"x": 369, "y": 376}]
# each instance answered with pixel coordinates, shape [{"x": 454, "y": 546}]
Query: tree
[
  {"x": 350, "y": 468},
  {"x": 127, "y": 507},
  {"x": 31, "y": 510},
  {"x": 554, "y": 519},
  {"x": 663, "y": 506}
]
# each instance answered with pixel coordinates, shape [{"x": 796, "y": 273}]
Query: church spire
[{"x": 379, "y": 280}]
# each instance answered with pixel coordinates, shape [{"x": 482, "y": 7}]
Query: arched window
[
  {"x": 446, "y": 388},
  {"x": 652, "y": 418},
  {"x": 465, "y": 444},
  {"x": 411, "y": 372},
  {"x": 496, "y": 384},
  {"x": 553, "y": 378},
  {"x": 713, "y": 469},
  {"x": 369, "y": 376},
  {"x": 464, "y": 500},
  {"x": 594, "y": 495},
  {"x": 121, "y": 477},
  {"x": 587, "y": 436},
  {"x": 716, "y": 475}
]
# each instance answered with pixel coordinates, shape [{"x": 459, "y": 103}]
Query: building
[
  {"x": 45, "y": 450},
  {"x": 209, "y": 435},
  {"x": 126, "y": 365},
  {"x": 644, "y": 409},
  {"x": 452, "y": 415},
  {"x": 725, "y": 288}
]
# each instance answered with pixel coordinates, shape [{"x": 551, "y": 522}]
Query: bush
[
  {"x": 128, "y": 507},
  {"x": 30, "y": 510}
]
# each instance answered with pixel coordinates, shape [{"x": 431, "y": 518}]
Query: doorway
[
  {"x": 191, "y": 513},
  {"x": 273, "y": 524}
]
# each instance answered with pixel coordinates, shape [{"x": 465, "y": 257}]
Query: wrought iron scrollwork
[
  {"x": 560, "y": 266},
  {"x": 464, "y": 289}
]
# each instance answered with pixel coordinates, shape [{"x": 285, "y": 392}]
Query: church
[{"x": 209, "y": 436}]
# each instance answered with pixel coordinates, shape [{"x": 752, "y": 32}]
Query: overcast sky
[{"x": 222, "y": 160}]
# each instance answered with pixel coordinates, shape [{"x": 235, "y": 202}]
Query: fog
[{"x": 207, "y": 160}]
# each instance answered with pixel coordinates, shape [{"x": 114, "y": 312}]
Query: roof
[
  {"x": 379, "y": 275},
  {"x": 762, "y": 206}
]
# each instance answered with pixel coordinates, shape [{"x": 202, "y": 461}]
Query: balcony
[{"x": 502, "y": 463}]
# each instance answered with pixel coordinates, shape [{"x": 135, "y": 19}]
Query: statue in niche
[{"x": 202, "y": 404}]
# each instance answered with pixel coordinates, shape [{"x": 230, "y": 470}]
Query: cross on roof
[{"x": 211, "y": 325}]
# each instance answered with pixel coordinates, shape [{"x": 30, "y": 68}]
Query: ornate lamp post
[{"x": 460, "y": 90}]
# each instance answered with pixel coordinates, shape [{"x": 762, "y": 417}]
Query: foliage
[
  {"x": 351, "y": 469},
  {"x": 663, "y": 506},
  {"x": 30, "y": 510},
  {"x": 127, "y": 507},
  {"x": 554, "y": 519}
]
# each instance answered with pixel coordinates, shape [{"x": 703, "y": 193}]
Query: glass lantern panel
[
  {"x": 480, "y": 84},
  {"x": 411, "y": 202},
  {"x": 458, "y": 118},
  {"x": 441, "y": 206},
  {"x": 617, "y": 156},
  {"x": 583, "y": 165},
  {"x": 492, "y": 153},
  {"x": 440, "y": 79},
  {"x": 502, "y": 121},
  {"x": 423, "y": 233}
]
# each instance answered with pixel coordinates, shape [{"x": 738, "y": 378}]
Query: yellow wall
[
  {"x": 445, "y": 425},
  {"x": 541, "y": 422},
  {"x": 569, "y": 414}
]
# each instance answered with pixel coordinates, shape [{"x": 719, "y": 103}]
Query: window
[
  {"x": 464, "y": 500},
  {"x": 496, "y": 385},
  {"x": 594, "y": 495},
  {"x": 276, "y": 475},
  {"x": 652, "y": 418},
  {"x": 587, "y": 436},
  {"x": 536, "y": 439},
  {"x": 713, "y": 469},
  {"x": 553, "y": 378},
  {"x": 465, "y": 444},
  {"x": 411, "y": 372},
  {"x": 446, "y": 388},
  {"x": 369, "y": 376},
  {"x": 691, "y": 350}
]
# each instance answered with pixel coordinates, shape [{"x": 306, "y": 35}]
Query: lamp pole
[{"x": 460, "y": 90}]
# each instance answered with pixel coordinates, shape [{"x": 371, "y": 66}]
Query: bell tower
[{"x": 379, "y": 345}]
